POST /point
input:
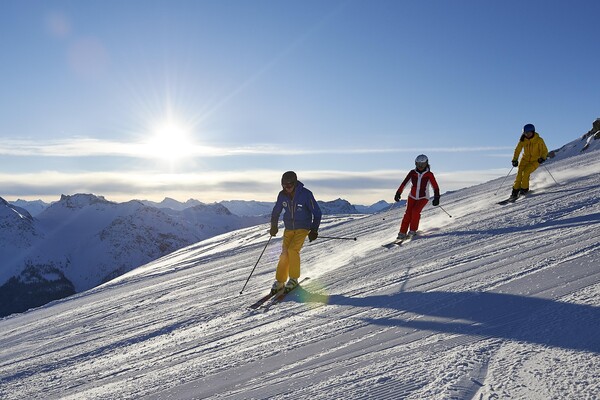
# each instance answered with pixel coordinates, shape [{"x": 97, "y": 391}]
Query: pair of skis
[
  {"x": 513, "y": 199},
  {"x": 508, "y": 201},
  {"x": 274, "y": 297},
  {"x": 397, "y": 242}
]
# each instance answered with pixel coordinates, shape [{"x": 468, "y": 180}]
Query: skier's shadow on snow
[{"x": 494, "y": 315}]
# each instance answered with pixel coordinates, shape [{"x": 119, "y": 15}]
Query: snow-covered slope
[{"x": 496, "y": 302}]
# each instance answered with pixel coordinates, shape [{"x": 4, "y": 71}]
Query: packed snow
[{"x": 494, "y": 302}]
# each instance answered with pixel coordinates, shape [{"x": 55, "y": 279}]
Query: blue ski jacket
[{"x": 301, "y": 210}]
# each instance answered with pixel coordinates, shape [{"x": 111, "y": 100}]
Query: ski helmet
[
  {"x": 422, "y": 161},
  {"x": 528, "y": 128},
  {"x": 289, "y": 177}
]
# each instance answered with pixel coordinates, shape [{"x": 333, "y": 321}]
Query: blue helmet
[{"x": 528, "y": 128}]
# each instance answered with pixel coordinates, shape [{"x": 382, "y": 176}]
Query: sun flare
[{"x": 170, "y": 141}]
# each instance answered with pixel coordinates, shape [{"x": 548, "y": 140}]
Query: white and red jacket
[{"x": 420, "y": 184}]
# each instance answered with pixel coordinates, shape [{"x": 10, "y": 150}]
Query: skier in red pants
[{"x": 420, "y": 177}]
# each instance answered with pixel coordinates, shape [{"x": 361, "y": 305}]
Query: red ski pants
[{"x": 412, "y": 216}]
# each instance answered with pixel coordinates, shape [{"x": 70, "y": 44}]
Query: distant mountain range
[{"x": 242, "y": 208}]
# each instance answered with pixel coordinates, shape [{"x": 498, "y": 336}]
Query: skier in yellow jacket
[{"x": 535, "y": 153}]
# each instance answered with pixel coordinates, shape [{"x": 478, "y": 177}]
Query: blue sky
[{"x": 214, "y": 100}]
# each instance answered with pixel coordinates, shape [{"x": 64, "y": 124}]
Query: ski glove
[
  {"x": 312, "y": 235},
  {"x": 273, "y": 231},
  {"x": 515, "y": 163},
  {"x": 436, "y": 201},
  {"x": 397, "y": 196},
  {"x": 541, "y": 160}
]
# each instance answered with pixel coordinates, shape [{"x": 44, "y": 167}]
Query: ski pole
[
  {"x": 259, "y": 257},
  {"x": 504, "y": 180},
  {"x": 445, "y": 211},
  {"x": 339, "y": 238},
  {"x": 550, "y": 174},
  {"x": 389, "y": 209}
]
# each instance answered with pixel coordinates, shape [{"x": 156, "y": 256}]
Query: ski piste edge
[{"x": 275, "y": 298}]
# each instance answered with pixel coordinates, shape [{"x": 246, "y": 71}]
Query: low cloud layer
[{"x": 263, "y": 185}]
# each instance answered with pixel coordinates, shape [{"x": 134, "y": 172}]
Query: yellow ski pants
[
  {"x": 289, "y": 260},
  {"x": 525, "y": 169}
]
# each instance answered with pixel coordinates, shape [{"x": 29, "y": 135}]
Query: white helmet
[
  {"x": 421, "y": 159},
  {"x": 421, "y": 162}
]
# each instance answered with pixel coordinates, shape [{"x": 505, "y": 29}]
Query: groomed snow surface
[{"x": 496, "y": 302}]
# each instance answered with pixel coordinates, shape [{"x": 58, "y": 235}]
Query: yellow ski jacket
[{"x": 533, "y": 148}]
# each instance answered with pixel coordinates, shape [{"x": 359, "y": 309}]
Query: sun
[{"x": 170, "y": 141}]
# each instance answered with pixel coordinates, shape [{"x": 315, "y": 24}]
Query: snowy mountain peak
[
  {"x": 173, "y": 204},
  {"x": 337, "y": 206},
  {"x": 214, "y": 208},
  {"x": 586, "y": 143},
  {"x": 373, "y": 208},
  {"x": 8, "y": 210},
  {"x": 33, "y": 207},
  {"x": 81, "y": 200}
]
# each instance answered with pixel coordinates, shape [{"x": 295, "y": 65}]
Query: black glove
[
  {"x": 273, "y": 231},
  {"x": 312, "y": 235},
  {"x": 515, "y": 163},
  {"x": 541, "y": 160},
  {"x": 397, "y": 196},
  {"x": 436, "y": 201}
]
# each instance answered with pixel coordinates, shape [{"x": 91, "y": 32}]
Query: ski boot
[
  {"x": 401, "y": 236},
  {"x": 277, "y": 286},
  {"x": 291, "y": 284}
]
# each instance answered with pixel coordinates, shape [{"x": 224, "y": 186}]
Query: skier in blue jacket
[{"x": 302, "y": 218}]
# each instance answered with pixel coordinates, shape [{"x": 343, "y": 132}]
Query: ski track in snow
[{"x": 496, "y": 302}]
